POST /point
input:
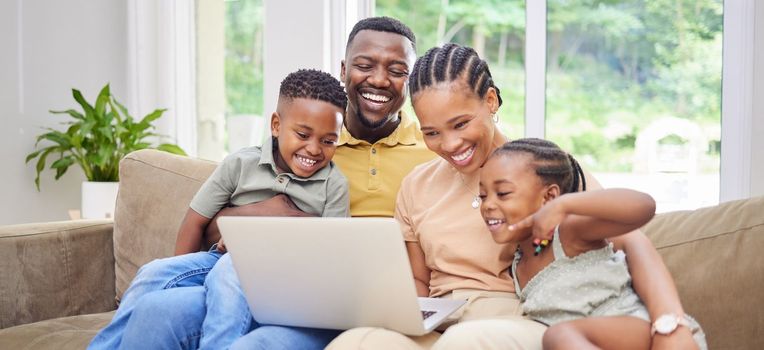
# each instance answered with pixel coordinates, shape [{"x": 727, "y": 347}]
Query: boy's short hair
[
  {"x": 382, "y": 24},
  {"x": 316, "y": 85}
]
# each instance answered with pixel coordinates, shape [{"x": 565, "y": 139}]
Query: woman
[{"x": 451, "y": 251}]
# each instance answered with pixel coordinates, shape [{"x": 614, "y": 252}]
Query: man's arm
[{"x": 278, "y": 205}]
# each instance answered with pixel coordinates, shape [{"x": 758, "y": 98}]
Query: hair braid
[
  {"x": 459, "y": 62},
  {"x": 550, "y": 163}
]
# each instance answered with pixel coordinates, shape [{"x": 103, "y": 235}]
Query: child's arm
[
  {"x": 190, "y": 234},
  {"x": 592, "y": 215}
]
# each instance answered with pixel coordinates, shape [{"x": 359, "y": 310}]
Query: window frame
[
  {"x": 738, "y": 66},
  {"x": 737, "y": 89}
]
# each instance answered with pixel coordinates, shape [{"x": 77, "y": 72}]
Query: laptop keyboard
[{"x": 426, "y": 314}]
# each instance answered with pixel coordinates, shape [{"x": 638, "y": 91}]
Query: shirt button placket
[
  {"x": 281, "y": 183},
  {"x": 373, "y": 167}
]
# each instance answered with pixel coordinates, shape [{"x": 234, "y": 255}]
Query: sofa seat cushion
[{"x": 74, "y": 332}]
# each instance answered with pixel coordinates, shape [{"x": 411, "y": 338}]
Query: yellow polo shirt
[{"x": 375, "y": 171}]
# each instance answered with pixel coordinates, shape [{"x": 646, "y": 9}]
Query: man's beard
[{"x": 369, "y": 124}]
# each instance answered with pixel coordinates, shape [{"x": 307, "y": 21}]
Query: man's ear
[
  {"x": 275, "y": 124},
  {"x": 551, "y": 192},
  {"x": 342, "y": 71}
]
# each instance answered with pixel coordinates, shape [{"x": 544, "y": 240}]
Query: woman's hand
[{"x": 221, "y": 246}]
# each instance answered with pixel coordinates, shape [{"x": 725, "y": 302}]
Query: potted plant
[{"x": 96, "y": 138}]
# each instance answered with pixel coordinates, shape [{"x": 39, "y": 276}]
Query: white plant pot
[{"x": 99, "y": 199}]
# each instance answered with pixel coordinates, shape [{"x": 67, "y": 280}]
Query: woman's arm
[
  {"x": 189, "y": 238},
  {"x": 651, "y": 281},
  {"x": 654, "y": 285},
  {"x": 419, "y": 268}
]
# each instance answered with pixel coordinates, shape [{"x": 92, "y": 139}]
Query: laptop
[{"x": 333, "y": 273}]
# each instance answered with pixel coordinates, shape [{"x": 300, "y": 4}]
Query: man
[{"x": 378, "y": 146}]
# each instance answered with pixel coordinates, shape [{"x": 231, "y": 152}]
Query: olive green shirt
[{"x": 250, "y": 175}]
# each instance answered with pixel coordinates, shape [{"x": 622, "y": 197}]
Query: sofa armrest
[{"x": 55, "y": 269}]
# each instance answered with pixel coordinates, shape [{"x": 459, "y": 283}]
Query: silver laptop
[{"x": 335, "y": 273}]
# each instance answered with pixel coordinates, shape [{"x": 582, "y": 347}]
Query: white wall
[
  {"x": 48, "y": 47},
  {"x": 757, "y": 124}
]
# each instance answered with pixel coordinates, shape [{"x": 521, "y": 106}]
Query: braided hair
[
  {"x": 449, "y": 63},
  {"x": 551, "y": 163},
  {"x": 314, "y": 84}
]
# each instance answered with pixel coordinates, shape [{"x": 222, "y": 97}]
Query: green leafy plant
[{"x": 97, "y": 138}]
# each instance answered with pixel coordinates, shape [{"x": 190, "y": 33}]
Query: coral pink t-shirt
[{"x": 434, "y": 208}]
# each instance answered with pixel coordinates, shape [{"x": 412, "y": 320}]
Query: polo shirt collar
[
  {"x": 404, "y": 134},
  {"x": 266, "y": 159}
]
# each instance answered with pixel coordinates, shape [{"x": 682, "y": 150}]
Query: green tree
[{"x": 244, "y": 57}]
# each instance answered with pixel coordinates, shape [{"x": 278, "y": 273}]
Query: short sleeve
[
  {"x": 216, "y": 192},
  {"x": 402, "y": 212},
  {"x": 337, "y": 195}
]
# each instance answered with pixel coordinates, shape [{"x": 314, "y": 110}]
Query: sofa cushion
[
  {"x": 62, "y": 333},
  {"x": 715, "y": 256},
  {"x": 155, "y": 189}
]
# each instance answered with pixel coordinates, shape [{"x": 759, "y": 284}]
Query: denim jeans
[
  {"x": 282, "y": 337},
  {"x": 180, "y": 326},
  {"x": 186, "y": 270},
  {"x": 207, "y": 313}
]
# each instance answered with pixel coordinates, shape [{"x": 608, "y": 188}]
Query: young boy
[{"x": 296, "y": 162}]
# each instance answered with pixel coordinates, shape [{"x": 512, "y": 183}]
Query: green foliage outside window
[
  {"x": 613, "y": 66},
  {"x": 244, "y": 57}
]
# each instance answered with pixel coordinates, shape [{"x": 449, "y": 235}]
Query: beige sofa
[{"x": 60, "y": 280}]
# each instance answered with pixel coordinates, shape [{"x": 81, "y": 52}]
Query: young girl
[{"x": 565, "y": 272}]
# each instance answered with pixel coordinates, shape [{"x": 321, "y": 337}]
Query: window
[
  {"x": 494, "y": 28},
  {"x": 632, "y": 87},
  {"x": 634, "y": 93},
  {"x": 243, "y": 72}
]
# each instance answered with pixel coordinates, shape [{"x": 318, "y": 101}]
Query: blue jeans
[
  {"x": 281, "y": 337},
  {"x": 154, "y": 314},
  {"x": 186, "y": 270},
  {"x": 180, "y": 326}
]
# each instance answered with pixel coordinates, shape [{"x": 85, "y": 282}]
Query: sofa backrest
[
  {"x": 155, "y": 189},
  {"x": 715, "y": 256}
]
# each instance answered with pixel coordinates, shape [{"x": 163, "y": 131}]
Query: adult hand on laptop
[
  {"x": 278, "y": 205},
  {"x": 221, "y": 246}
]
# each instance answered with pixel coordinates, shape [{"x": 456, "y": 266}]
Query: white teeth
[
  {"x": 462, "y": 156},
  {"x": 494, "y": 221},
  {"x": 375, "y": 98},
  {"x": 306, "y": 162}
]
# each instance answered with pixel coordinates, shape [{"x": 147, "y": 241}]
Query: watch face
[{"x": 665, "y": 324}]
